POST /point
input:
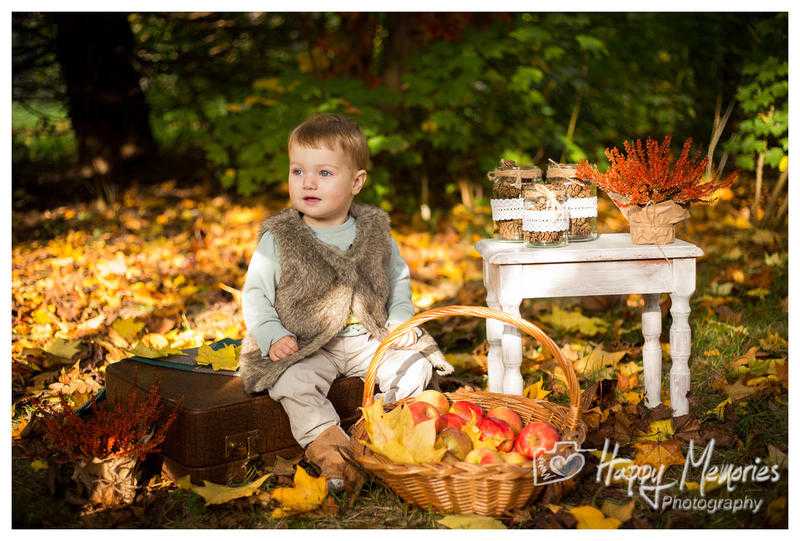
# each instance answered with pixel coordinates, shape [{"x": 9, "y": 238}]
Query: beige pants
[{"x": 303, "y": 388}]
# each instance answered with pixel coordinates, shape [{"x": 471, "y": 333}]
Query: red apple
[
  {"x": 452, "y": 420},
  {"x": 499, "y": 431},
  {"x": 465, "y": 409},
  {"x": 435, "y": 399},
  {"x": 536, "y": 439},
  {"x": 422, "y": 411},
  {"x": 508, "y": 415},
  {"x": 483, "y": 456},
  {"x": 455, "y": 441}
]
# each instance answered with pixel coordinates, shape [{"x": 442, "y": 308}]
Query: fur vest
[{"x": 320, "y": 285}]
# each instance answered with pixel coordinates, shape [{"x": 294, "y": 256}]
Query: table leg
[
  {"x": 680, "y": 347},
  {"x": 651, "y": 352},
  {"x": 680, "y": 335},
  {"x": 512, "y": 352},
  {"x": 494, "y": 332}
]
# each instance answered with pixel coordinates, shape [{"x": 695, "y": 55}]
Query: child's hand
[{"x": 282, "y": 348}]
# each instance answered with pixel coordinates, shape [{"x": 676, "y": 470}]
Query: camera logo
[{"x": 564, "y": 461}]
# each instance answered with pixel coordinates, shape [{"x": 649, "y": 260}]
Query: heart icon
[{"x": 568, "y": 466}]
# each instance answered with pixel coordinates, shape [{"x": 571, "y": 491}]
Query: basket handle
[{"x": 573, "y": 389}]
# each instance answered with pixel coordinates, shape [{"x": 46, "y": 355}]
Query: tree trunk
[
  {"x": 397, "y": 48},
  {"x": 106, "y": 104},
  {"x": 759, "y": 180}
]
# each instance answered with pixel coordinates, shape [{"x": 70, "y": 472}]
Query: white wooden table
[{"x": 610, "y": 265}]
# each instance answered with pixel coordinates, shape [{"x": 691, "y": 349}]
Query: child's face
[{"x": 322, "y": 183}]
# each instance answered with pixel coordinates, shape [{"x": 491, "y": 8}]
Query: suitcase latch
[{"x": 242, "y": 445}]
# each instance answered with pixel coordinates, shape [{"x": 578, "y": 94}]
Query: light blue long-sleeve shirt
[{"x": 263, "y": 274}]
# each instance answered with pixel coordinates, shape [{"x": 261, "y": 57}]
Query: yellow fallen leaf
[
  {"x": 140, "y": 350},
  {"x": 42, "y": 316},
  {"x": 534, "y": 391},
  {"x": 127, "y": 328},
  {"x": 774, "y": 342},
  {"x": 710, "y": 486},
  {"x": 760, "y": 381},
  {"x": 39, "y": 465},
  {"x": 719, "y": 409},
  {"x": 214, "y": 494},
  {"x": 592, "y": 518},
  {"x": 471, "y": 522},
  {"x": 627, "y": 376},
  {"x": 594, "y": 416},
  {"x": 462, "y": 362},
  {"x": 759, "y": 292},
  {"x": 776, "y": 457},
  {"x": 632, "y": 397},
  {"x": 225, "y": 358},
  {"x": 659, "y": 431},
  {"x": 305, "y": 495},
  {"x": 737, "y": 391},
  {"x": 394, "y": 435},
  {"x": 713, "y": 352},
  {"x": 629, "y": 368},
  {"x": 143, "y": 350},
  {"x": 597, "y": 361},
  {"x": 62, "y": 348},
  {"x": 18, "y": 428},
  {"x": 622, "y": 512},
  {"x": 572, "y": 352},
  {"x": 114, "y": 353},
  {"x": 741, "y": 365},
  {"x": 575, "y": 321},
  {"x": 658, "y": 453}
]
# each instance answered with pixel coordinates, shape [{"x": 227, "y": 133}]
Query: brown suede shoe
[{"x": 324, "y": 452}]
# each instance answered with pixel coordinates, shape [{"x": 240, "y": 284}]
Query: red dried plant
[
  {"x": 648, "y": 173},
  {"x": 135, "y": 427}
]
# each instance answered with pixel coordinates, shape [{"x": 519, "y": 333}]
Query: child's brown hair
[{"x": 332, "y": 130}]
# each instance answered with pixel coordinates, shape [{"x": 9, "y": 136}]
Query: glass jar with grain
[{"x": 507, "y": 201}]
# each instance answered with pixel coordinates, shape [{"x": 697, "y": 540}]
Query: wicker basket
[{"x": 461, "y": 487}]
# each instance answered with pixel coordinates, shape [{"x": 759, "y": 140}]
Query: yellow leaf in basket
[
  {"x": 225, "y": 358},
  {"x": 534, "y": 391},
  {"x": 471, "y": 429},
  {"x": 575, "y": 321},
  {"x": 215, "y": 494},
  {"x": 395, "y": 436},
  {"x": 307, "y": 494},
  {"x": 592, "y": 518},
  {"x": 471, "y": 522}
]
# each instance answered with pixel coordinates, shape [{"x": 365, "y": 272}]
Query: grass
[{"x": 757, "y": 422}]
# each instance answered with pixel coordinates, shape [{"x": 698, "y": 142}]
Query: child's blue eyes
[{"x": 322, "y": 173}]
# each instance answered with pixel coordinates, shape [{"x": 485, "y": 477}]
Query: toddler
[{"x": 325, "y": 284}]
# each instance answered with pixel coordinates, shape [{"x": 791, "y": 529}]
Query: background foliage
[{"x": 441, "y": 96}]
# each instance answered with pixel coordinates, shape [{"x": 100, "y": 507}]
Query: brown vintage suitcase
[{"x": 220, "y": 431}]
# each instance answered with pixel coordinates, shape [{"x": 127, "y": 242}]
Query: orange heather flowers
[
  {"x": 648, "y": 173},
  {"x": 133, "y": 427}
]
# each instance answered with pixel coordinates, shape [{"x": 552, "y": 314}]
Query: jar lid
[
  {"x": 508, "y": 168},
  {"x": 562, "y": 170}
]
